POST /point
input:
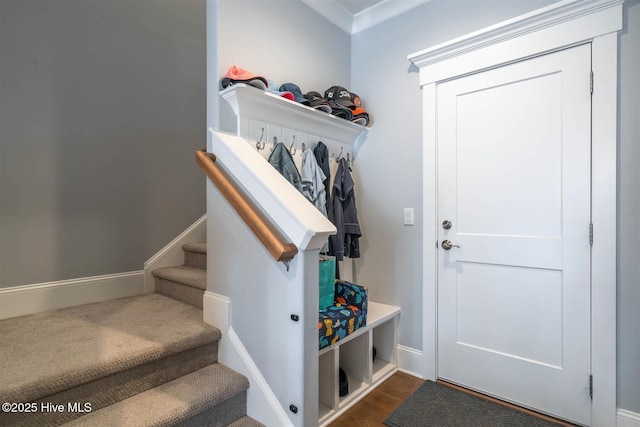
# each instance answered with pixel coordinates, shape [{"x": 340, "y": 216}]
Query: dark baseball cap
[
  {"x": 340, "y": 111},
  {"x": 317, "y": 101},
  {"x": 340, "y": 96}
]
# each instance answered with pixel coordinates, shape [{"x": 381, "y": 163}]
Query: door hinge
[
  {"x": 591, "y": 386},
  {"x": 591, "y": 81},
  {"x": 591, "y": 234}
]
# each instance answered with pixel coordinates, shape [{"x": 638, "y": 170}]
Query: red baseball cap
[{"x": 236, "y": 74}]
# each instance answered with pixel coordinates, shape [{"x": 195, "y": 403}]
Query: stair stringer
[
  {"x": 262, "y": 403},
  {"x": 172, "y": 253}
]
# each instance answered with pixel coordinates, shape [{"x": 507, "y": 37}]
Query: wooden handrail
[{"x": 268, "y": 234}]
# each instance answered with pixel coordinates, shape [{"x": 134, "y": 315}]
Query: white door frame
[{"x": 558, "y": 26}]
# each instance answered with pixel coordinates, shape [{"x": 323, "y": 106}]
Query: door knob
[{"x": 446, "y": 245}]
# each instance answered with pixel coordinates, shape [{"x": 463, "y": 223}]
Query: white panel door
[{"x": 514, "y": 181}]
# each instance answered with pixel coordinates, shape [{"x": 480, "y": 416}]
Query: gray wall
[
  {"x": 629, "y": 211},
  {"x": 102, "y": 105},
  {"x": 389, "y": 164},
  {"x": 281, "y": 40}
]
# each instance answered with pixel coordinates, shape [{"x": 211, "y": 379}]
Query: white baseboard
[
  {"x": 628, "y": 418},
  {"x": 172, "y": 253},
  {"x": 216, "y": 311},
  {"x": 29, "y": 299},
  {"x": 262, "y": 404},
  {"x": 410, "y": 361}
]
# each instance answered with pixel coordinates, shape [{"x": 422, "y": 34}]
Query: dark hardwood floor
[{"x": 380, "y": 403}]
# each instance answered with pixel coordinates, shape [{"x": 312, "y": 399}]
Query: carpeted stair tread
[
  {"x": 246, "y": 422},
  {"x": 184, "y": 274},
  {"x": 195, "y": 255},
  {"x": 200, "y": 248},
  {"x": 187, "y": 294},
  {"x": 53, "y": 351},
  {"x": 177, "y": 401}
]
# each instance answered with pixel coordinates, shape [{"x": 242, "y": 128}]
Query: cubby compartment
[
  {"x": 384, "y": 340},
  {"x": 354, "y": 354},
  {"x": 328, "y": 382},
  {"x": 352, "y": 360}
]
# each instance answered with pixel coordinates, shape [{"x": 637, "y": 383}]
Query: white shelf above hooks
[{"x": 249, "y": 103}]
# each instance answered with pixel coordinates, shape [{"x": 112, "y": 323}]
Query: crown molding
[
  {"x": 537, "y": 21},
  {"x": 381, "y": 12},
  {"x": 367, "y": 18},
  {"x": 334, "y": 12}
]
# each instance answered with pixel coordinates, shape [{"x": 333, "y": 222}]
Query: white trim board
[
  {"x": 262, "y": 404},
  {"x": 172, "y": 253},
  {"x": 367, "y": 18},
  {"x": 628, "y": 418},
  {"x": 381, "y": 12},
  {"x": 297, "y": 219},
  {"x": 558, "y": 26},
  {"x": 29, "y": 299},
  {"x": 410, "y": 361}
]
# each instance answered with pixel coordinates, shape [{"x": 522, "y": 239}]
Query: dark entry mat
[{"x": 437, "y": 405}]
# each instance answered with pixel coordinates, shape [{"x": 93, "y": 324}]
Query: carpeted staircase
[
  {"x": 185, "y": 282},
  {"x": 147, "y": 360}
]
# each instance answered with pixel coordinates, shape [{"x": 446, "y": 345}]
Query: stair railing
[{"x": 264, "y": 229}]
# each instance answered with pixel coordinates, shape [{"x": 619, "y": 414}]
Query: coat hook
[
  {"x": 260, "y": 145},
  {"x": 340, "y": 155},
  {"x": 291, "y": 149},
  {"x": 275, "y": 142}
]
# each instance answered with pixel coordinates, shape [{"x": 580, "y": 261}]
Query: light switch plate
[{"x": 408, "y": 216}]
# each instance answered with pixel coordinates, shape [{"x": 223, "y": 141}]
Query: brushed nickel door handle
[{"x": 446, "y": 245}]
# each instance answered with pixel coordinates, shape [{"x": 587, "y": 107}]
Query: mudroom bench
[{"x": 368, "y": 356}]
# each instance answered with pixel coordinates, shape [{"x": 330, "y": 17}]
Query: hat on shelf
[
  {"x": 339, "y": 96},
  {"x": 360, "y": 116},
  {"x": 297, "y": 93},
  {"x": 236, "y": 74},
  {"x": 273, "y": 88},
  {"x": 318, "y": 102},
  {"x": 343, "y": 113},
  {"x": 355, "y": 99}
]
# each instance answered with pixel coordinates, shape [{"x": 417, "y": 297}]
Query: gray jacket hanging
[
  {"x": 343, "y": 214},
  {"x": 322, "y": 156},
  {"x": 281, "y": 159}
]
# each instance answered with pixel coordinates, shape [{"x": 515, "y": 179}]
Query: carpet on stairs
[
  {"x": 106, "y": 354},
  {"x": 186, "y": 282}
]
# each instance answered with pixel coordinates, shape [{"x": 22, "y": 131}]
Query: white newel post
[{"x": 300, "y": 350}]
